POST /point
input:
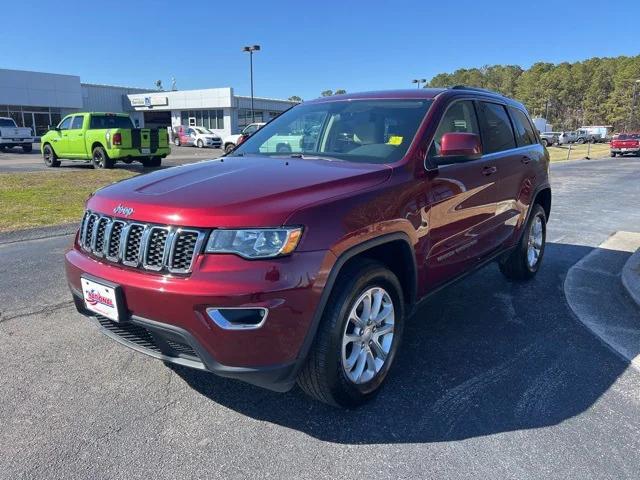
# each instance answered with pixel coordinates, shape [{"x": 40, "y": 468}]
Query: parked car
[
  {"x": 282, "y": 267},
  {"x": 230, "y": 141},
  {"x": 198, "y": 137},
  {"x": 103, "y": 139},
  {"x": 567, "y": 137},
  {"x": 11, "y": 135},
  {"x": 586, "y": 136},
  {"x": 183, "y": 136},
  {"x": 625, "y": 143},
  {"x": 548, "y": 138}
]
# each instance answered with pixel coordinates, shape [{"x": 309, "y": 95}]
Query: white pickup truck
[{"x": 11, "y": 135}]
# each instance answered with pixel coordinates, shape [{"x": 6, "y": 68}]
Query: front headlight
[{"x": 255, "y": 243}]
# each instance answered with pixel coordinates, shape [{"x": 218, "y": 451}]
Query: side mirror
[{"x": 459, "y": 147}]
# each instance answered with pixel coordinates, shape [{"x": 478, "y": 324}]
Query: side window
[
  {"x": 524, "y": 131},
  {"x": 459, "y": 117},
  {"x": 497, "y": 134},
  {"x": 77, "y": 122},
  {"x": 65, "y": 124}
]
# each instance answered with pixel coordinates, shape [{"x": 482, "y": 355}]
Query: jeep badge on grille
[{"x": 122, "y": 210}]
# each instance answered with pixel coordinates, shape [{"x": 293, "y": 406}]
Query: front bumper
[{"x": 167, "y": 319}]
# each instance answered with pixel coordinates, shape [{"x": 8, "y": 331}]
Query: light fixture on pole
[
  {"x": 251, "y": 49},
  {"x": 419, "y": 81}
]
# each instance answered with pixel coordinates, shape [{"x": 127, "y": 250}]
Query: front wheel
[
  {"x": 524, "y": 262},
  {"x": 176, "y": 142},
  {"x": 100, "y": 159},
  {"x": 545, "y": 142},
  {"x": 358, "y": 337},
  {"x": 200, "y": 144},
  {"x": 613, "y": 154},
  {"x": 229, "y": 147},
  {"x": 50, "y": 157}
]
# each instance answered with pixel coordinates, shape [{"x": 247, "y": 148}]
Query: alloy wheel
[
  {"x": 368, "y": 335},
  {"x": 534, "y": 243}
]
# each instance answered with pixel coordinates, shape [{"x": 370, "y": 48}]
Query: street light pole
[
  {"x": 419, "y": 81},
  {"x": 251, "y": 49},
  {"x": 633, "y": 104}
]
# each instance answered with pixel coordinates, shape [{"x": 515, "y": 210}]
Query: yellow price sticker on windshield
[{"x": 394, "y": 140}]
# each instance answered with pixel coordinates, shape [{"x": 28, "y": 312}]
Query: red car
[
  {"x": 304, "y": 266},
  {"x": 625, "y": 143}
]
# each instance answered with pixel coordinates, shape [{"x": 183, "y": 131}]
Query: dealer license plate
[
  {"x": 145, "y": 150},
  {"x": 100, "y": 299}
]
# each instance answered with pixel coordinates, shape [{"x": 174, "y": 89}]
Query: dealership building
[{"x": 37, "y": 100}]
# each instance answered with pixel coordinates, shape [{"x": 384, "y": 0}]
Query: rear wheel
[
  {"x": 100, "y": 159},
  {"x": 545, "y": 142},
  {"x": 27, "y": 148},
  {"x": 176, "y": 141},
  {"x": 525, "y": 260},
  {"x": 613, "y": 154},
  {"x": 357, "y": 338},
  {"x": 50, "y": 157},
  {"x": 229, "y": 147}
]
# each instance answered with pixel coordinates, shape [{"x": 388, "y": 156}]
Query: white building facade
[{"x": 38, "y": 100}]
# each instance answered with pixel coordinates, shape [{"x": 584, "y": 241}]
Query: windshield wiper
[{"x": 313, "y": 155}]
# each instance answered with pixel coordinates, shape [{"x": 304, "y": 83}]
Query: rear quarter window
[{"x": 523, "y": 129}]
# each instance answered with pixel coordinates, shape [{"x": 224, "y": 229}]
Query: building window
[
  {"x": 245, "y": 117},
  {"x": 203, "y": 118}
]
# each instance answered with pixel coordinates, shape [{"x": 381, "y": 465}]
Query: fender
[{"x": 333, "y": 275}]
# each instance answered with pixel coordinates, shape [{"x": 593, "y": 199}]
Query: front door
[
  {"x": 462, "y": 204},
  {"x": 60, "y": 139},
  {"x": 76, "y": 143}
]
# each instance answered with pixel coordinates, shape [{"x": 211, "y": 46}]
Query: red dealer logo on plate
[{"x": 94, "y": 298}]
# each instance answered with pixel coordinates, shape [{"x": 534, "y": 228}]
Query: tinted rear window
[
  {"x": 6, "y": 122},
  {"x": 524, "y": 130},
  {"x": 109, "y": 121},
  {"x": 495, "y": 126}
]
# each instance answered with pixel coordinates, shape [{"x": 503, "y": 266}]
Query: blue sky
[{"x": 308, "y": 46}]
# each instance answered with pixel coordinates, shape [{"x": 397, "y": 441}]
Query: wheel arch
[
  {"x": 543, "y": 198},
  {"x": 96, "y": 144},
  {"x": 381, "y": 249},
  {"x": 50, "y": 145}
]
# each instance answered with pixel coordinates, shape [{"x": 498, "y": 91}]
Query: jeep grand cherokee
[{"x": 275, "y": 267}]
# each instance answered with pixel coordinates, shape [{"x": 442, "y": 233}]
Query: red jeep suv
[{"x": 303, "y": 266}]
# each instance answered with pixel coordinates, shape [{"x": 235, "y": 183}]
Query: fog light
[{"x": 238, "y": 318}]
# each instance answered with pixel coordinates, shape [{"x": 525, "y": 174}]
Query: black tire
[
  {"x": 50, "y": 157},
  {"x": 545, "y": 142},
  {"x": 27, "y": 148},
  {"x": 323, "y": 376},
  {"x": 3, "y": 148},
  {"x": 229, "y": 147},
  {"x": 176, "y": 141},
  {"x": 516, "y": 266},
  {"x": 613, "y": 154},
  {"x": 580, "y": 141},
  {"x": 153, "y": 162},
  {"x": 100, "y": 159},
  {"x": 199, "y": 143}
]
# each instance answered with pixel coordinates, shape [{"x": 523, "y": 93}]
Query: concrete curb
[
  {"x": 631, "y": 276},
  {"x": 594, "y": 291},
  {"x": 37, "y": 233}
]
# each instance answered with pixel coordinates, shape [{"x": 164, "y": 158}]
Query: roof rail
[{"x": 475, "y": 89}]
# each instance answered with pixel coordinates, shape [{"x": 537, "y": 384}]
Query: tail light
[
  {"x": 242, "y": 138},
  {"x": 116, "y": 139}
]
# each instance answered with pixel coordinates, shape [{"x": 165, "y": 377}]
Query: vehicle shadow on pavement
[{"x": 481, "y": 357}]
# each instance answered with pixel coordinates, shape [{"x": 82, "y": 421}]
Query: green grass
[
  {"x": 595, "y": 150},
  {"x": 47, "y": 198}
]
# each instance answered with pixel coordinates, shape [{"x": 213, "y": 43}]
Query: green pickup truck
[{"x": 103, "y": 139}]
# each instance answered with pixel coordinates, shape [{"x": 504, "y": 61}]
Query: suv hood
[{"x": 235, "y": 191}]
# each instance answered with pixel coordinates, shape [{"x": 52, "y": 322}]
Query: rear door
[
  {"x": 511, "y": 163},
  {"x": 76, "y": 145},
  {"x": 462, "y": 204}
]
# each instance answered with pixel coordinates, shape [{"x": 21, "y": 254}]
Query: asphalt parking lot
[
  {"x": 494, "y": 380},
  {"x": 16, "y": 161}
]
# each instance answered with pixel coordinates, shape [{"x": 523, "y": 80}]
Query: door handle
[
  {"x": 489, "y": 170},
  {"x": 525, "y": 159}
]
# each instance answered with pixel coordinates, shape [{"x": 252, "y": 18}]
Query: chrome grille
[{"x": 141, "y": 245}]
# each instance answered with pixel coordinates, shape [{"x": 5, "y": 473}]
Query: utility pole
[
  {"x": 633, "y": 105},
  {"x": 251, "y": 49}
]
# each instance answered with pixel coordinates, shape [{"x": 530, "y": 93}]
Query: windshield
[
  {"x": 367, "y": 131},
  {"x": 99, "y": 122},
  {"x": 201, "y": 130},
  {"x": 7, "y": 122}
]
